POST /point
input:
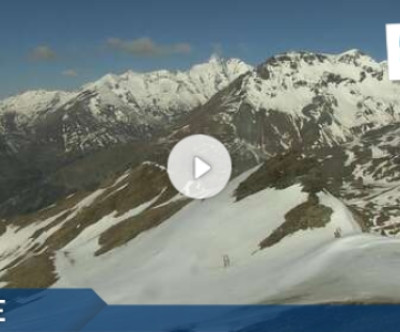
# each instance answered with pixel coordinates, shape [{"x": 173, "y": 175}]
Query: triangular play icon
[{"x": 200, "y": 168}]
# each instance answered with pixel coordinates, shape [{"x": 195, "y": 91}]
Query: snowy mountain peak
[
  {"x": 353, "y": 52},
  {"x": 30, "y": 102},
  {"x": 351, "y": 57},
  {"x": 356, "y": 57}
]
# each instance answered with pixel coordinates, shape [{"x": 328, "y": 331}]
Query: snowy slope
[{"x": 181, "y": 259}]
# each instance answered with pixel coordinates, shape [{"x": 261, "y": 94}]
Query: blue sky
[{"x": 62, "y": 44}]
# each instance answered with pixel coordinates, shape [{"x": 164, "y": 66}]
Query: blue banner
[{"x": 59, "y": 310}]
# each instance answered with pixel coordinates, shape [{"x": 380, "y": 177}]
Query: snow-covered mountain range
[
  {"x": 311, "y": 214},
  {"x": 117, "y": 108},
  {"x": 300, "y": 100}
]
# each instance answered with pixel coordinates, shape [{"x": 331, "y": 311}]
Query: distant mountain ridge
[
  {"x": 43, "y": 131},
  {"x": 140, "y": 101}
]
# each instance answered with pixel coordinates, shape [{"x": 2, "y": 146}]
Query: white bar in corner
[
  {"x": 2, "y": 319},
  {"x": 393, "y": 50}
]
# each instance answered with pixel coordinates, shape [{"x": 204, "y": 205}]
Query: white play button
[{"x": 199, "y": 166}]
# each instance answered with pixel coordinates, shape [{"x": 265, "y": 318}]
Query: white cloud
[
  {"x": 217, "y": 49},
  {"x": 69, "y": 73},
  {"x": 146, "y": 47},
  {"x": 42, "y": 53}
]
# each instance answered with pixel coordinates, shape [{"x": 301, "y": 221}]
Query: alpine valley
[{"x": 311, "y": 214}]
